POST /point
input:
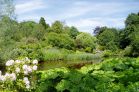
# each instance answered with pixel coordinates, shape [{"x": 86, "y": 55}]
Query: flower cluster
[
  {"x": 20, "y": 70},
  {"x": 8, "y": 77},
  {"x": 27, "y": 82},
  {"x": 10, "y": 62}
]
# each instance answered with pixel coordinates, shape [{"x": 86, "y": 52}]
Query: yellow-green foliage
[{"x": 112, "y": 75}]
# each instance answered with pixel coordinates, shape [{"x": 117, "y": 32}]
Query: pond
[{"x": 73, "y": 64}]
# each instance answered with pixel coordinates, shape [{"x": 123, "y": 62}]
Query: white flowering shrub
[{"x": 20, "y": 75}]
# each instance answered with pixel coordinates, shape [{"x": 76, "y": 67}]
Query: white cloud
[
  {"x": 35, "y": 17},
  {"x": 83, "y": 14},
  {"x": 28, "y": 17},
  {"x": 81, "y": 8},
  {"x": 29, "y": 6},
  {"x": 75, "y": 12},
  {"x": 88, "y": 24}
]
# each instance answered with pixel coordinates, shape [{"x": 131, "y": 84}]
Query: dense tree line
[
  {"x": 126, "y": 39},
  {"x": 28, "y": 38}
]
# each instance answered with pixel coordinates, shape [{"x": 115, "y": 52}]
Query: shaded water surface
[{"x": 57, "y": 64}]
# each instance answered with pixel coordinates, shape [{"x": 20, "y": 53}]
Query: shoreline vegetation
[
  {"x": 113, "y": 74},
  {"x": 42, "y": 57},
  {"x": 70, "y": 60}
]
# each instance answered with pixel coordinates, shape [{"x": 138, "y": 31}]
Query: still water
[{"x": 57, "y": 64}]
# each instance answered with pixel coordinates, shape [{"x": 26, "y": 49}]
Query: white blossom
[
  {"x": 25, "y": 67},
  {"x": 25, "y": 78},
  {"x": 27, "y": 59},
  {"x": 25, "y": 72},
  {"x": 7, "y": 75},
  {"x": 29, "y": 69},
  {"x": 2, "y": 78},
  {"x": 27, "y": 86},
  {"x": 35, "y": 61},
  {"x": 35, "y": 67},
  {"x": 26, "y": 81},
  {"x": 17, "y": 61},
  {"x": 17, "y": 70},
  {"x": 9, "y": 62},
  {"x": 13, "y": 76}
]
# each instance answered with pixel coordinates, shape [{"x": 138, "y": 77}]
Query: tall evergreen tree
[{"x": 43, "y": 23}]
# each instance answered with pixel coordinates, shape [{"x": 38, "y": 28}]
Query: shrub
[
  {"x": 127, "y": 51},
  {"x": 20, "y": 75},
  {"x": 107, "y": 53},
  {"x": 60, "y": 40},
  {"x": 85, "y": 40},
  {"x": 112, "y": 75}
]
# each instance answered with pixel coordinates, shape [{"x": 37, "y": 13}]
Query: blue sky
[{"x": 84, "y": 14}]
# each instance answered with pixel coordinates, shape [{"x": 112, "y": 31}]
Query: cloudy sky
[{"x": 84, "y": 14}]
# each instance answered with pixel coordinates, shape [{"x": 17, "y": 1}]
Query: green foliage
[
  {"x": 112, "y": 75},
  {"x": 107, "y": 53},
  {"x": 73, "y": 32},
  {"x": 60, "y": 40},
  {"x": 108, "y": 38},
  {"x": 127, "y": 51},
  {"x": 53, "y": 55},
  {"x": 98, "y": 30},
  {"x": 19, "y": 76},
  {"x": 132, "y": 19},
  {"x": 85, "y": 40},
  {"x": 57, "y": 27},
  {"x": 82, "y": 57},
  {"x": 31, "y": 29},
  {"x": 135, "y": 44},
  {"x": 125, "y": 39},
  {"x": 129, "y": 36},
  {"x": 43, "y": 23},
  {"x": 125, "y": 36}
]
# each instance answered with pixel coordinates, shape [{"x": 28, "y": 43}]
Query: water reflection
[{"x": 56, "y": 64}]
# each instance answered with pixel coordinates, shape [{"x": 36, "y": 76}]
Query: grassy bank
[{"x": 54, "y": 54}]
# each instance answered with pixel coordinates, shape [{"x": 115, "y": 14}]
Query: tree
[
  {"x": 73, "y": 32},
  {"x": 98, "y": 30},
  {"x": 109, "y": 38},
  {"x": 132, "y": 27},
  {"x": 85, "y": 41},
  {"x": 135, "y": 44},
  {"x": 60, "y": 40},
  {"x": 27, "y": 28},
  {"x": 43, "y": 23},
  {"x": 57, "y": 27},
  {"x": 126, "y": 36},
  {"x": 132, "y": 19},
  {"x": 6, "y": 8}
]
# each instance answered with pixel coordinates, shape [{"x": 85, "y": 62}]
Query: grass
[
  {"x": 55, "y": 54},
  {"x": 82, "y": 57},
  {"x": 55, "y": 58}
]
